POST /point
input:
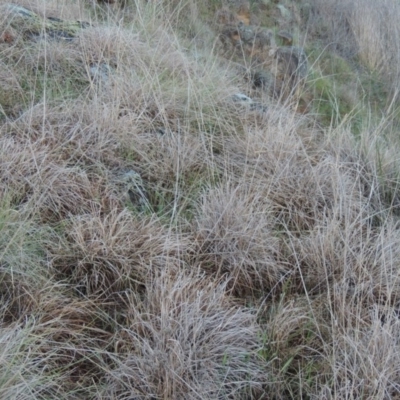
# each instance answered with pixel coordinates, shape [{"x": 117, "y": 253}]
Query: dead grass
[
  {"x": 237, "y": 238},
  {"x": 187, "y": 341},
  {"x": 159, "y": 241},
  {"x": 366, "y": 29},
  {"x": 107, "y": 253}
]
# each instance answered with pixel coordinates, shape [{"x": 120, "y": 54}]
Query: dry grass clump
[
  {"x": 159, "y": 240},
  {"x": 379, "y": 157},
  {"x": 335, "y": 336},
  {"x": 22, "y": 269},
  {"x": 78, "y": 133},
  {"x": 12, "y": 94},
  {"x": 103, "y": 254},
  {"x": 64, "y": 192},
  {"x": 36, "y": 69},
  {"x": 155, "y": 79},
  {"x": 48, "y": 339},
  {"x": 303, "y": 183},
  {"x": 55, "y": 165},
  {"x": 55, "y": 349},
  {"x": 329, "y": 20},
  {"x": 71, "y": 333},
  {"x": 304, "y": 196},
  {"x": 236, "y": 237},
  {"x": 296, "y": 332},
  {"x": 368, "y": 29},
  {"x": 347, "y": 286},
  {"x": 19, "y": 381},
  {"x": 377, "y": 34},
  {"x": 53, "y": 8},
  {"x": 158, "y": 97},
  {"x": 51, "y": 191},
  {"x": 114, "y": 45},
  {"x": 371, "y": 163},
  {"x": 360, "y": 259},
  {"x": 327, "y": 254},
  {"x": 175, "y": 166},
  {"x": 58, "y": 69},
  {"x": 186, "y": 341},
  {"x": 163, "y": 106},
  {"x": 18, "y": 168},
  {"x": 365, "y": 363}
]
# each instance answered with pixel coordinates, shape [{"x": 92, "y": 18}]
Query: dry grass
[
  {"x": 186, "y": 340},
  {"x": 106, "y": 254},
  {"x": 366, "y": 29},
  {"x": 160, "y": 241},
  {"x": 236, "y": 238}
]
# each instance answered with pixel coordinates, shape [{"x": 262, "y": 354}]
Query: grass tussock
[
  {"x": 236, "y": 238},
  {"x": 186, "y": 340},
  {"x": 164, "y": 237},
  {"x": 107, "y": 254},
  {"x": 366, "y": 29}
]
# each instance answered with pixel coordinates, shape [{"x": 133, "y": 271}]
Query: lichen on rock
[{"x": 29, "y": 25}]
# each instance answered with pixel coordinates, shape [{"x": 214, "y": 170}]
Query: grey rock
[
  {"x": 130, "y": 185},
  {"x": 241, "y": 98},
  {"x": 100, "y": 72}
]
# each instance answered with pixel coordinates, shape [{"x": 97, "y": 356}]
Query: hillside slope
[{"x": 199, "y": 200}]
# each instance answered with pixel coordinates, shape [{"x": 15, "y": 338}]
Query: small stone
[
  {"x": 261, "y": 79},
  {"x": 258, "y": 107},
  {"x": 241, "y": 98},
  {"x": 131, "y": 185},
  {"x": 100, "y": 72},
  {"x": 286, "y": 37},
  {"x": 34, "y": 27},
  {"x": 21, "y": 11},
  {"x": 285, "y": 13}
]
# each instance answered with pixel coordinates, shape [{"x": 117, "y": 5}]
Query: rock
[
  {"x": 262, "y": 79},
  {"x": 290, "y": 70},
  {"x": 286, "y": 37},
  {"x": 32, "y": 26},
  {"x": 246, "y": 33},
  {"x": 247, "y": 103},
  {"x": 279, "y": 70},
  {"x": 259, "y": 107},
  {"x": 241, "y": 98},
  {"x": 285, "y": 13},
  {"x": 14, "y": 11},
  {"x": 292, "y": 62},
  {"x": 100, "y": 72},
  {"x": 130, "y": 186},
  {"x": 305, "y": 11}
]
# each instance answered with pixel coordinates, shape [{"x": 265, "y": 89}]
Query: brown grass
[
  {"x": 367, "y": 29},
  {"x": 186, "y": 341},
  {"x": 236, "y": 238},
  {"x": 160, "y": 241}
]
